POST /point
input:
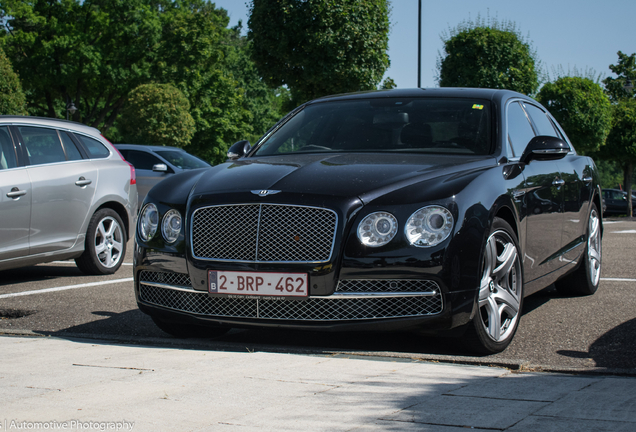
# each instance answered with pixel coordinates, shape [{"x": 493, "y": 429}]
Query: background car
[
  {"x": 65, "y": 193},
  {"x": 432, "y": 210},
  {"x": 615, "y": 201},
  {"x": 155, "y": 163}
]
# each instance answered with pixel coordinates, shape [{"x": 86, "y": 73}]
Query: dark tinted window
[
  {"x": 424, "y": 125},
  {"x": 182, "y": 159},
  {"x": 519, "y": 129},
  {"x": 7, "y": 151},
  {"x": 42, "y": 144},
  {"x": 541, "y": 121},
  {"x": 72, "y": 153},
  {"x": 142, "y": 160},
  {"x": 95, "y": 149}
]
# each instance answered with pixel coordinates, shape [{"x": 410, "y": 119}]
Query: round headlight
[
  {"x": 377, "y": 229},
  {"x": 148, "y": 222},
  {"x": 171, "y": 226},
  {"x": 429, "y": 226}
]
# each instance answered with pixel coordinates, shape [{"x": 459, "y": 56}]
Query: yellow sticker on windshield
[{"x": 477, "y": 106}]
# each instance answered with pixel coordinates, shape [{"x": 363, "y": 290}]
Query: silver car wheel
[
  {"x": 594, "y": 247},
  {"x": 500, "y": 287},
  {"x": 109, "y": 242}
]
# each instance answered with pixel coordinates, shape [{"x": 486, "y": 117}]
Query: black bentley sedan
[{"x": 435, "y": 210}]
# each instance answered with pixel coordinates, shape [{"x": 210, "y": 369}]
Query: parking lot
[{"x": 594, "y": 334}]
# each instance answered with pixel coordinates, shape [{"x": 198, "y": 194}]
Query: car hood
[{"x": 342, "y": 175}]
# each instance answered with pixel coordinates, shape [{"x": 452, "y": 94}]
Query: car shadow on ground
[{"x": 41, "y": 272}]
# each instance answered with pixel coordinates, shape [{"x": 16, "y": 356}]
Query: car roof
[
  {"x": 147, "y": 147},
  {"x": 442, "y": 92},
  {"x": 47, "y": 121}
]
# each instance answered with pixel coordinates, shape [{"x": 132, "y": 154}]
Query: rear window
[
  {"x": 95, "y": 149},
  {"x": 431, "y": 125},
  {"x": 182, "y": 160}
]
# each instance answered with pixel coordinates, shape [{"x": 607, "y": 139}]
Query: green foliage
[
  {"x": 388, "y": 84},
  {"x": 489, "y": 55},
  {"x": 582, "y": 109},
  {"x": 320, "y": 47},
  {"x": 12, "y": 99},
  {"x": 621, "y": 141},
  {"x": 264, "y": 104},
  {"x": 157, "y": 114},
  {"x": 93, "y": 53},
  {"x": 625, "y": 69}
]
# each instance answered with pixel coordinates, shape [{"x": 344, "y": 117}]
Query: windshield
[
  {"x": 182, "y": 160},
  {"x": 425, "y": 125}
]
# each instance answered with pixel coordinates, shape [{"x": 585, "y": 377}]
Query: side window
[
  {"x": 72, "y": 153},
  {"x": 95, "y": 149},
  {"x": 7, "y": 151},
  {"x": 43, "y": 145},
  {"x": 541, "y": 121},
  {"x": 142, "y": 160},
  {"x": 519, "y": 129}
]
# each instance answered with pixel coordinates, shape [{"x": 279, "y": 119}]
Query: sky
[{"x": 568, "y": 35}]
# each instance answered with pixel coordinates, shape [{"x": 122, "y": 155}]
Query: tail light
[{"x": 133, "y": 174}]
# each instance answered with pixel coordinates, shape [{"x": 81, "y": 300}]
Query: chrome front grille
[
  {"x": 263, "y": 233},
  {"x": 386, "y": 285},
  {"x": 342, "y": 307},
  {"x": 166, "y": 278}
]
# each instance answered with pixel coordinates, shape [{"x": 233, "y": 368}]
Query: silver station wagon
[{"x": 65, "y": 193}]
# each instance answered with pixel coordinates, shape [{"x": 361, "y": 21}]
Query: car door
[
  {"x": 144, "y": 163},
  {"x": 63, "y": 186},
  {"x": 15, "y": 200},
  {"x": 543, "y": 199}
]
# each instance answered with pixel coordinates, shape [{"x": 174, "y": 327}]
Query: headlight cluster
[
  {"x": 427, "y": 227},
  {"x": 149, "y": 222}
]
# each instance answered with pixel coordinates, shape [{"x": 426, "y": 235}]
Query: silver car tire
[
  {"x": 105, "y": 245},
  {"x": 500, "y": 294}
]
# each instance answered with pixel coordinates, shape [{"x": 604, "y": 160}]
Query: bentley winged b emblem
[{"x": 265, "y": 192}]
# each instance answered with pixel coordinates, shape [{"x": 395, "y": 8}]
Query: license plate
[{"x": 258, "y": 283}]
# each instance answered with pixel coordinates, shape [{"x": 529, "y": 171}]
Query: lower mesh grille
[{"x": 313, "y": 309}]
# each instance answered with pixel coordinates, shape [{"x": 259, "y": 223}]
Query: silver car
[
  {"x": 66, "y": 193},
  {"x": 155, "y": 163}
]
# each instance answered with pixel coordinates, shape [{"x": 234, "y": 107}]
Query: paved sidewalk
[{"x": 57, "y": 384}]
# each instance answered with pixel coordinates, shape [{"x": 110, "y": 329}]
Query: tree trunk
[{"x": 629, "y": 170}]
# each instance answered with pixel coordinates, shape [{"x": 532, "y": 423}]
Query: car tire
[
  {"x": 184, "y": 331},
  {"x": 105, "y": 244},
  {"x": 500, "y": 296},
  {"x": 586, "y": 278}
]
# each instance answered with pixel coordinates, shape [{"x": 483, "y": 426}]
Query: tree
[
  {"x": 625, "y": 70},
  {"x": 90, "y": 52},
  {"x": 320, "y": 47},
  {"x": 582, "y": 108},
  {"x": 12, "y": 99},
  {"x": 490, "y": 55},
  {"x": 157, "y": 114},
  {"x": 621, "y": 142}
]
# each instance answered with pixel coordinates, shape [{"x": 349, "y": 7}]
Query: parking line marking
[
  {"x": 618, "y": 279},
  {"x": 63, "y": 288},
  {"x": 73, "y": 263}
]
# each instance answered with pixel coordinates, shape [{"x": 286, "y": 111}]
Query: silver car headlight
[
  {"x": 429, "y": 226},
  {"x": 148, "y": 222},
  {"x": 377, "y": 229},
  {"x": 171, "y": 226}
]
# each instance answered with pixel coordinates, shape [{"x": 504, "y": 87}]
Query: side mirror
[
  {"x": 545, "y": 148},
  {"x": 160, "y": 168},
  {"x": 238, "y": 150}
]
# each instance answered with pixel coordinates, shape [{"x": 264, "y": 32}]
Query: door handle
[
  {"x": 588, "y": 179},
  {"x": 558, "y": 182},
  {"x": 16, "y": 193},
  {"x": 83, "y": 182}
]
